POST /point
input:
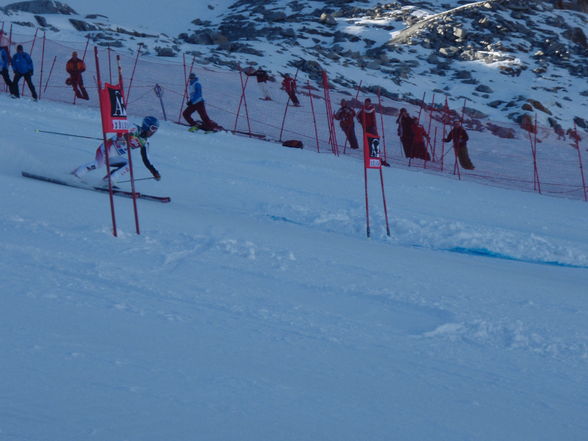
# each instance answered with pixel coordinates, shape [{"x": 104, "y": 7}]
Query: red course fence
[{"x": 157, "y": 86}]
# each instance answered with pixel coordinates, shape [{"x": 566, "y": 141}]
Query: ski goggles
[{"x": 153, "y": 128}]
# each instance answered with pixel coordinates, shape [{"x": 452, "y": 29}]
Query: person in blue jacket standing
[
  {"x": 4, "y": 62},
  {"x": 22, "y": 65},
  {"x": 196, "y": 104}
]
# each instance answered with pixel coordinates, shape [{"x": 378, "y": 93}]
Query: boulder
[{"x": 41, "y": 7}]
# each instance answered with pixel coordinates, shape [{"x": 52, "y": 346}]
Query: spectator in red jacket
[
  {"x": 289, "y": 85},
  {"x": 460, "y": 145},
  {"x": 345, "y": 116},
  {"x": 367, "y": 119},
  {"x": 419, "y": 140},
  {"x": 75, "y": 67},
  {"x": 262, "y": 78}
]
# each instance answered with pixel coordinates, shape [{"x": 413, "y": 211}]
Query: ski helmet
[{"x": 150, "y": 123}]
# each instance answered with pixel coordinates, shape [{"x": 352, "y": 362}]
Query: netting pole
[
  {"x": 50, "y": 72},
  {"x": 42, "y": 63},
  {"x": 577, "y": 139},
  {"x": 428, "y": 140},
  {"x": 129, "y": 148},
  {"x": 383, "y": 130},
  {"x": 445, "y": 116},
  {"x": 109, "y": 50},
  {"x": 133, "y": 73},
  {"x": 243, "y": 100},
  {"x": 533, "y": 141},
  {"x": 185, "y": 95},
  {"x": 106, "y": 155},
  {"x": 313, "y": 117},
  {"x": 535, "y": 155},
  {"x": 330, "y": 118},
  {"x": 286, "y": 109}
]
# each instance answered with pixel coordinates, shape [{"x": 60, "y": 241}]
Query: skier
[
  {"x": 118, "y": 154},
  {"x": 75, "y": 67},
  {"x": 22, "y": 65},
  {"x": 367, "y": 119},
  {"x": 289, "y": 85},
  {"x": 196, "y": 104},
  {"x": 345, "y": 117},
  {"x": 460, "y": 144}
]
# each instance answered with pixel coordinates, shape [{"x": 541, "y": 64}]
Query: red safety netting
[{"x": 157, "y": 86}]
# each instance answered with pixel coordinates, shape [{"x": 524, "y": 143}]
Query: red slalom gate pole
[
  {"x": 50, "y": 72},
  {"x": 107, "y": 159},
  {"x": 384, "y": 200},
  {"x": 577, "y": 139},
  {"x": 367, "y": 205},
  {"x": 318, "y": 149},
  {"x": 127, "y": 139},
  {"x": 42, "y": 63}
]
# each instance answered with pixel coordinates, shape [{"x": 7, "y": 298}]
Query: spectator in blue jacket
[
  {"x": 196, "y": 104},
  {"x": 22, "y": 65},
  {"x": 4, "y": 62}
]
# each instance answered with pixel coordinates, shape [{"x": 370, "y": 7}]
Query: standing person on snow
[
  {"x": 75, "y": 67},
  {"x": 289, "y": 85},
  {"x": 196, "y": 104},
  {"x": 118, "y": 152},
  {"x": 345, "y": 116},
  {"x": 460, "y": 144},
  {"x": 404, "y": 131},
  {"x": 419, "y": 141},
  {"x": 367, "y": 119},
  {"x": 22, "y": 65},
  {"x": 4, "y": 62},
  {"x": 262, "y": 78}
]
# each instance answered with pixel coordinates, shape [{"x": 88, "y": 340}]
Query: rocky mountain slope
[{"x": 508, "y": 59}]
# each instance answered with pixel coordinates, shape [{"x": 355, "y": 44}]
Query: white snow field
[{"x": 253, "y": 307}]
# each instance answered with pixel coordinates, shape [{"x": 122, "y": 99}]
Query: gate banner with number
[{"x": 113, "y": 110}]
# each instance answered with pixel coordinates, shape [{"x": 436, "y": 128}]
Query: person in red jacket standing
[
  {"x": 419, "y": 141},
  {"x": 289, "y": 85},
  {"x": 367, "y": 119},
  {"x": 75, "y": 67},
  {"x": 345, "y": 116}
]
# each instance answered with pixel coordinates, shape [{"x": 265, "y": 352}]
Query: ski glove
[{"x": 156, "y": 176}]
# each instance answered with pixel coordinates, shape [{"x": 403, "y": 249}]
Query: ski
[{"x": 116, "y": 192}]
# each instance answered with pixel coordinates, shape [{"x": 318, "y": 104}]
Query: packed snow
[{"x": 253, "y": 306}]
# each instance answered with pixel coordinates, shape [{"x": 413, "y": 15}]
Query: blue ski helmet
[{"x": 150, "y": 123}]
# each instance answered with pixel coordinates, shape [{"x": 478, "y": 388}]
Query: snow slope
[{"x": 254, "y": 308}]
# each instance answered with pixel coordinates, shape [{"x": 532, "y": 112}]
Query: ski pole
[
  {"x": 138, "y": 179},
  {"x": 66, "y": 134}
]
